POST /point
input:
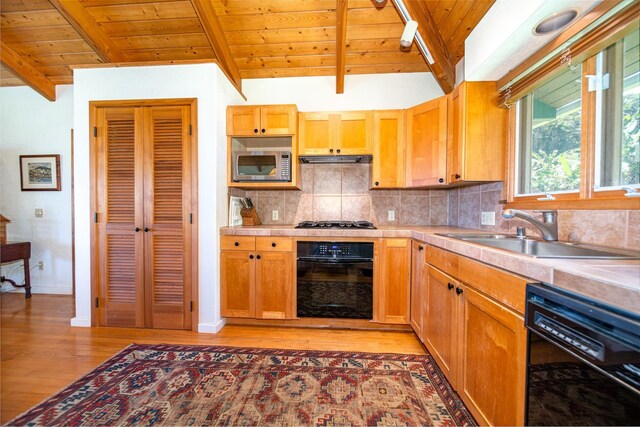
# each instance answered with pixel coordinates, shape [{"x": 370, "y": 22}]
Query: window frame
[{"x": 587, "y": 197}]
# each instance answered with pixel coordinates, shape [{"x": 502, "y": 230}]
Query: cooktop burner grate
[{"x": 336, "y": 224}]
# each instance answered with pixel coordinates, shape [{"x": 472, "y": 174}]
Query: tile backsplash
[{"x": 341, "y": 192}]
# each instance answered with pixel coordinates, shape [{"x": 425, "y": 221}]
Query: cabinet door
[
  {"x": 393, "y": 267},
  {"x": 440, "y": 326},
  {"x": 243, "y": 120},
  {"x": 427, "y": 144},
  {"x": 278, "y": 120},
  {"x": 418, "y": 291},
  {"x": 388, "y": 149},
  {"x": 119, "y": 194},
  {"x": 455, "y": 129},
  {"x": 354, "y": 133},
  {"x": 274, "y": 285},
  {"x": 166, "y": 226},
  {"x": 316, "y": 133},
  {"x": 493, "y": 361},
  {"x": 237, "y": 287}
]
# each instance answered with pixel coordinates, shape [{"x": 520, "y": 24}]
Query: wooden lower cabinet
[
  {"x": 478, "y": 341},
  {"x": 257, "y": 277},
  {"x": 418, "y": 289},
  {"x": 392, "y": 290}
]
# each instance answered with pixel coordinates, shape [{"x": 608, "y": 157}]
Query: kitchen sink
[{"x": 542, "y": 248}]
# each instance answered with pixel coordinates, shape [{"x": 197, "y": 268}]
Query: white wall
[
  {"x": 29, "y": 124},
  {"x": 361, "y": 92},
  {"x": 202, "y": 81}
]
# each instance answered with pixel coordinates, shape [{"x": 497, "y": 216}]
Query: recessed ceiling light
[{"x": 555, "y": 22}]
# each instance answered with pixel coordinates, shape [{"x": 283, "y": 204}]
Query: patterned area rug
[{"x": 196, "y": 385}]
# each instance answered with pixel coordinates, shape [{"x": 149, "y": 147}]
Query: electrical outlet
[
  {"x": 39, "y": 213},
  {"x": 391, "y": 215},
  {"x": 488, "y": 218},
  {"x": 275, "y": 215},
  {"x": 40, "y": 265}
]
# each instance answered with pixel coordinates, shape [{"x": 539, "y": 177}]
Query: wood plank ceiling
[{"x": 43, "y": 40}]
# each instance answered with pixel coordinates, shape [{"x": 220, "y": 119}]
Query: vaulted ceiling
[{"x": 43, "y": 40}]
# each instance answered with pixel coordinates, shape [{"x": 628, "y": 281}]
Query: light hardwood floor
[{"x": 41, "y": 354}]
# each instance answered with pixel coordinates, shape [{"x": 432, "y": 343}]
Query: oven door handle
[{"x": 335, "y": 260}]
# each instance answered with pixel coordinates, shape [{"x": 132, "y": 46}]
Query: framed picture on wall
[{"x": 40, "y": 172}]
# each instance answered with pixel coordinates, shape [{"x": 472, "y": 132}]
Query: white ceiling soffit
[{"x": 504, "y": 37}]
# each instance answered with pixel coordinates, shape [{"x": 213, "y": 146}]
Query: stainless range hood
[{"x": 335, "y": 159}]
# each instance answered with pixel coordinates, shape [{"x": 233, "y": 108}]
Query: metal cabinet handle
[
  {"x": 255, "y": 131},
  {"x": 457, "y": 176},
  {"x": 331, "y": 150},
  {"x": 338, "y": 151},
  {"x": 258, "y": 256},
  {"x": 459, "y": 291},
  {"x": 420, "y": 248},
  {"x": 273, "y": 245},
  {"x": 263, "y": 131},
  {"x": 236, "y": 244},
  {"x": 136, "y": 229},
  {"x": 450, "y": 286},
  {"x": 250, "y": 256},
  {"x": 440, "y": 180},
  {"x": 146, "y": 229},
  {"x": 376, "y": 183}
]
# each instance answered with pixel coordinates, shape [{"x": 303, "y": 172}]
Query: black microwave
[{"x": 261, "y": 166}]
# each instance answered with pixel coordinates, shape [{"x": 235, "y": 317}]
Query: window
[
  {"x": 576, "y": 136},
  {"x": 617, "y": 82},
  {"x": 549, "y": 136}
]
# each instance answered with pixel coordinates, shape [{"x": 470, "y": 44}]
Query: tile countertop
[{"x": 616, "y": 282}]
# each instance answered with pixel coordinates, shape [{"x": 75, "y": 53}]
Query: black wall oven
[
  {"x": 335, "y": 280},
  {"x": 583, "y": 361}
]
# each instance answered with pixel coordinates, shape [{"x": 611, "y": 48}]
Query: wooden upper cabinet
[
  {"x": 335, "y": 133},
  {"x": 392, "y": 287},
  {"x": 388, "y": 149},
  {"x": 477, "y": 133},
  {"x": 262, "y": 120},
  {"x": 427, "y": 144}
]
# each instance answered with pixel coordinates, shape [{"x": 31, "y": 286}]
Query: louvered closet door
[
  {"x": 167, "y": 165},
  {"x": 119, "y": 195}
]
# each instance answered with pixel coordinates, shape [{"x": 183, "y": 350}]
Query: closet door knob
[{"x": 136, "y": 229}]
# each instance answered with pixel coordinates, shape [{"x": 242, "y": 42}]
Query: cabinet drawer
[
  {"x": 443, "y": 260},
  {"x": 504, "y": 287},
  {"x": 274, "y": 244},
  {"x": 238, "y": 243}
]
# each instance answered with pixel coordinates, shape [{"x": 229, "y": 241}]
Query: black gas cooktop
[{"x": 336, "y": 224}]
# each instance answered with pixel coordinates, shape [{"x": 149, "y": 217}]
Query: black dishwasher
[{"x": 583, "y": 364}]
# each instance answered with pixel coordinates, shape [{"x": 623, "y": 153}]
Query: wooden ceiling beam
[
  {"x": 443, "y": 67},
  {"x": 341, "y": 43},
  {"x": 211, "y": 25},
  {"x": 95, "y": 36},
  {"x": 22, "y": 69}
]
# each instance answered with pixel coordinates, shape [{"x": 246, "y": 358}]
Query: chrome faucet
[{"x": 549, "y": 227}]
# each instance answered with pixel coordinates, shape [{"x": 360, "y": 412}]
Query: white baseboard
[
  {"x": 211, "y": 328},
  {"x": 80, "y": 322},
  {"x": 51, "y": 290}
]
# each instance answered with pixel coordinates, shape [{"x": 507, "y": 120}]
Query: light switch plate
[
  {"x": 275, "y": 215},
  {"x": 488, "y": 218},
  {"x": 391, "y": 215}
]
